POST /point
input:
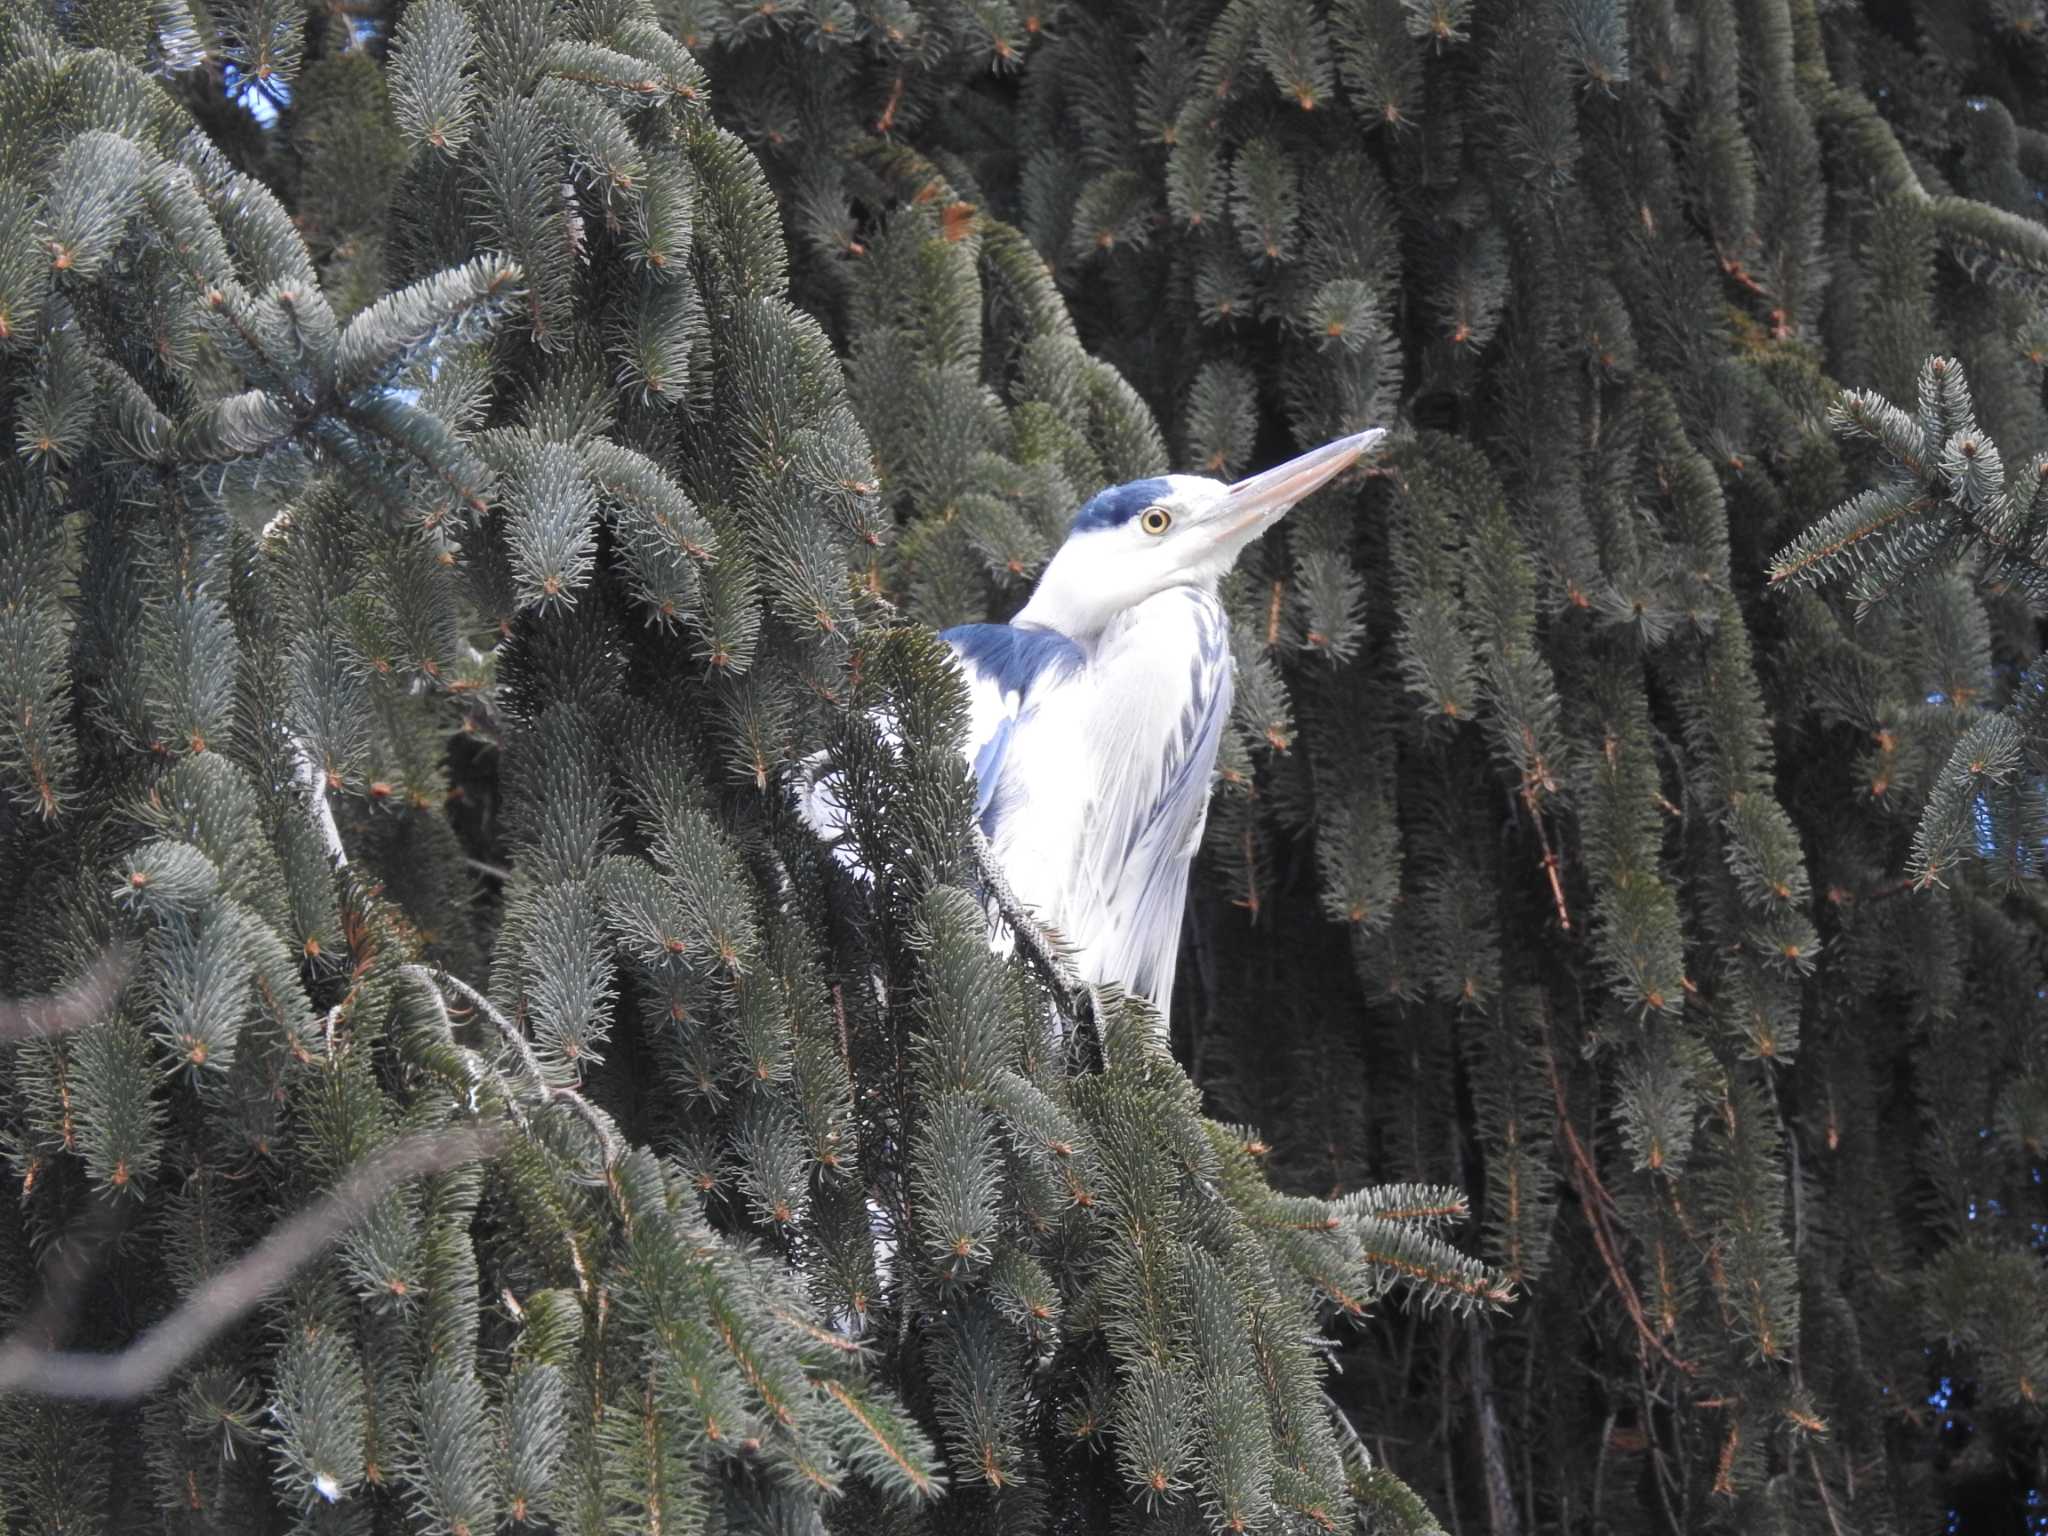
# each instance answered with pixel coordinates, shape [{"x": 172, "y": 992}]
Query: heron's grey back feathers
[{"x": 1094, "y": 771}]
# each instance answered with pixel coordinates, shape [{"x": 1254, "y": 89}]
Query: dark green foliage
[
  {"x": 463, "y": 457},
  {"x": 1614, "y": 833}
]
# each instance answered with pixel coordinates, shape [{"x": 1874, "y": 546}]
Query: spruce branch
[
  {"x": 1951, "y": 496},
  {"x": 1425, "y": 1205},
  {"x": 459, "y": 304},
  {"x": 1048, "y": 955},
  {"x": 881, "y": 1441},
  {"x": 1837, "y": 544},
  {"x": 601, "y": 1125},
  {"x": 95, "y": 190},
  {"x": 251, "y": 422},
  {"x": 433, "y": 91}
]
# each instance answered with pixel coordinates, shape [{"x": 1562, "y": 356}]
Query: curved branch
[{"x": 84, "y": 1376}]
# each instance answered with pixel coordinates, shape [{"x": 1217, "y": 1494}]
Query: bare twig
[
  {"x": 73, "y": 1008},
  {"x": 1600, "y": 1461},
  {"x": 1661, "y": 1473},
  {"x": 315, "y": 785},
  {"x": 1598, "y": 1204},
  {"x": 600, "y": 1124},
  {"x": 1827, "y": 1501},
  {"x": 146, "y": 1364},
  {"x": 514, "y": 1037},
  {"x": 1443, "y": 1429},
  {"x": 1550, "y": 863},
  {"x": 1503, "y": 1515},
  {"x": 609, "y": 1141}
]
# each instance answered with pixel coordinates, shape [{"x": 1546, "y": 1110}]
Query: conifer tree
[
  {"x": 633, "y": 1172},
  {"x": 1567, "y": 850},
  {"x": 462, "y": 454}
]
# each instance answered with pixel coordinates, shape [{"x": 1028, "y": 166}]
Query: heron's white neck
[
  {"x": 1082, "y": 595},
  {"x": 1045, "y": 612}
]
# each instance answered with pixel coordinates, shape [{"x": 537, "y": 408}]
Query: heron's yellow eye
[{"x": 1156, "y": 520}]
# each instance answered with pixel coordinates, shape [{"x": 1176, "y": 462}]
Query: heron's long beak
[{"x": 1249, "y": 506}]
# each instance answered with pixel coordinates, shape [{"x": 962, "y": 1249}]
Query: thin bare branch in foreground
[
  {"x": 147, "y": 1363},
  {"x": 73, "y": 1008}
]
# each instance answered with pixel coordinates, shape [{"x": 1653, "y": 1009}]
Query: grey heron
[{"x": 1096, "y": 713}]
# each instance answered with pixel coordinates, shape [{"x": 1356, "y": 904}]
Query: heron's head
[{"x": 1134, "y": 541}]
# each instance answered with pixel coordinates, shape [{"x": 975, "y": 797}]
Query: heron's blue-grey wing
[
  {"x": 1102, "y": 787},
  {"x": 1001, "y": 665},
  {"x": 1004, "y": 668}
]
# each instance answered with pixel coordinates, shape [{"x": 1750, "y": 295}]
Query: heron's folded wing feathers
[
  {"x": 1102, "y": 787},
  {"x": 1092, "y": 775},
  {"x": 1149, "y": 834},
  {"x": 1004, "y": 668}
]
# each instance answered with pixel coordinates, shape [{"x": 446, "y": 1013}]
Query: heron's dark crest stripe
[{"x": 1119, "y": 504}]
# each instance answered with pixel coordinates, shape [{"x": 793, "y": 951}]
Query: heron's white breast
[{"x": 1109, "y": 791}]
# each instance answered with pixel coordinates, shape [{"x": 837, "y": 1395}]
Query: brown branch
[
  {"x": 1597, "y": 1203},
  {"x": 1550, "y": 861},
  {"x": 1827, "y": 1502},
  {"x": 887, "y": 120}
]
